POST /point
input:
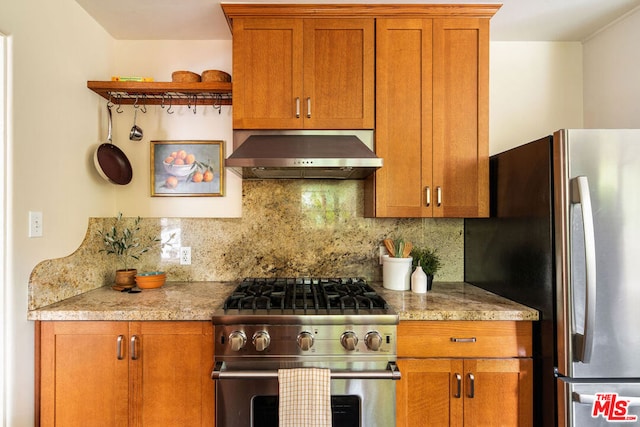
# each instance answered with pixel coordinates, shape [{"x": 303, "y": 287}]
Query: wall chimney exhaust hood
[{"x": 303, "y": 154}]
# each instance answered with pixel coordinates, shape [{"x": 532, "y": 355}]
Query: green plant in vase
[
  {"x": 429, "y": 260},
  {"x": 125, "y": 243}
]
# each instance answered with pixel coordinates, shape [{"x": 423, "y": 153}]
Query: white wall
[
  {"x": 535, "y": 89},
  {"x": 54, "y": 47},
  {"x": 611, "y": 75},
  {"x": 158, "y": 59}
]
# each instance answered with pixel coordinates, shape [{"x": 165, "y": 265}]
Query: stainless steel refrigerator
[{"x": 564, "y": 237}]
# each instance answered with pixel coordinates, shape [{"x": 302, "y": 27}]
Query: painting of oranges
[{"x": 187, "y": 168}]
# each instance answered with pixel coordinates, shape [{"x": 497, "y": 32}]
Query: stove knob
[
  {"x": 261, "y": 340},
  {"x": 238, "y": 340},
  {"x": 305, "y": 340},
  {"x": 373, "y": 340},
  {"x": 349, "y": 340}
]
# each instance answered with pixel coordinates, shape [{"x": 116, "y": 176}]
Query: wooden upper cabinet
[
  {"x": 431, "y": 118},
  {"x": 403, "y": 117},
  {"x": 303, "y": 73},
  {"x": 461, "y": 117},
  {"x": 267, "y": 72}
]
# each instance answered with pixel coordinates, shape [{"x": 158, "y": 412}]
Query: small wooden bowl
[
  {"x": 215, "y": 76},
  {"x": 185, "y": 77},
  {"x": 151, "y": 280}
]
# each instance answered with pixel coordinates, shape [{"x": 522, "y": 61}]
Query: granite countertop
[
  {"x": 198, "y": 300},
  {"x": 173, "y": 301},
  {"x": 456, "y": 301}
]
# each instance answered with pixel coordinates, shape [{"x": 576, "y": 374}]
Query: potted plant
[
  {"x": 429, "y": 260},
  {"x": 126, "y": 244}
]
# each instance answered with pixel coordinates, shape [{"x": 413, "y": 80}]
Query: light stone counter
[
  {"x": 456, "y": 301},
  {"x": 198, "y": 300},
  {"x": 173, "y": 301}
]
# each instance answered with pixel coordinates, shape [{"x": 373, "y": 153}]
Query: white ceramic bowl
[{"x": 179, "y": 170}]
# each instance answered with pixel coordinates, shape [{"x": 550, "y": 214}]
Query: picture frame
[{"x": 187, "y": 168}]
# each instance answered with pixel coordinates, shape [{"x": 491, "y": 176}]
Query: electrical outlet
[
  {"x": 185, "y": 255},
  {"x": 35, "y": 224},
  {"x": 382, "y": 251}
]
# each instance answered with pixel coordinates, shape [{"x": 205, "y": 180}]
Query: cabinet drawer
[{"x": 464, "y": 339}]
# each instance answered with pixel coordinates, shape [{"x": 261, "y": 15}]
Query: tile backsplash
[{"x": 288, "y": 228}]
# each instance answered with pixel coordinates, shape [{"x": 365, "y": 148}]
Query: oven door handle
[{"x": 391, "y": 373}]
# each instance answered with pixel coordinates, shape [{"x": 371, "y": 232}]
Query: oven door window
[{"x": 345, "y": 411}]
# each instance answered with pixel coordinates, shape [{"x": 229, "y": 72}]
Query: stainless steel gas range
[{"x": 339, "y": 324}]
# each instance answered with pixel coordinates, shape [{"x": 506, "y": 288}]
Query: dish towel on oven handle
[{"x": 305, "y": 397}]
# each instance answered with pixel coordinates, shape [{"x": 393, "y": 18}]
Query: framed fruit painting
[{"x": 187, "y": 168}]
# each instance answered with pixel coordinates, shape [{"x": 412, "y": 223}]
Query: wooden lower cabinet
[
  {"x": 125, "y": 373},
  {"x": 459, "y": 390}
]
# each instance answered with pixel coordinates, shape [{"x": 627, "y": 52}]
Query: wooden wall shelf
[{"x": 163, "y": 93}]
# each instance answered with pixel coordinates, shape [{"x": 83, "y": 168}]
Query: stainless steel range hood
[{"x": 303, "y": 154}]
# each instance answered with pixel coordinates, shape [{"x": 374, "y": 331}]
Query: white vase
[{"x": 419, "y": 281}]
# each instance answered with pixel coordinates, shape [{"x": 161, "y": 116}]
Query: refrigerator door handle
[
  {"x": 580, "y": 195},
  {"x": 588, "y": 399}
]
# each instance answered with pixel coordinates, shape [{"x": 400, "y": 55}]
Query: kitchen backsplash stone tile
[{"x": 288, "y": 228}]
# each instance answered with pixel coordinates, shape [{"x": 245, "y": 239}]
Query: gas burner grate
[{"x": 304, "y": 294}]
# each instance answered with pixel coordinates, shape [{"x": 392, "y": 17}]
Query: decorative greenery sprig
[{"x": 124, "y": 243}]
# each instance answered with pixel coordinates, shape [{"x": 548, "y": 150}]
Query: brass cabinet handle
[
  {"x": 458, "y": 392},
  {"x": 472, "y": 383},
  {"x": 427, "y": 195},
  {"x": 119, "y": 354},
  {"x": 309, "y": 107},
  {"x": 297, "y": 107},
  {"x": 134, "y": 353}
]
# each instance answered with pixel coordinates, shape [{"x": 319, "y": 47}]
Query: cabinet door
[
  {"x": 461, "y": 117},
  {"x": 429, "y": 393},
  {"x": 83, "y": 377},
  {"x": 498, "y": 392},
  {"x": 338, "y": 73},
  {"x": 267, "y": 73},
  {"x": 403, "y": 118},
  {"x": 170, "y": 372},
  {"x": 470, "y": 392}
]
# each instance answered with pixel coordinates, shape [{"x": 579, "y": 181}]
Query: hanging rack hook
[
  {"x": 195, "y": 103},
  {"x": 162, "y": 102},
  {"x": 109, "y": 103},
  {"x": 144, "y": 104},
  {"x": 217, "y": 102},
  {"x": 170, "y": 105},
  {"x": 119, "y": 98},
  {"x": 135, "y": 103}
]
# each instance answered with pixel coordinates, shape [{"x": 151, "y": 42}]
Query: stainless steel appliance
[
  {"x": 339, "y": 324},
  {"x": 564, "y": 237},
  {"x": 288, "y": 154}
]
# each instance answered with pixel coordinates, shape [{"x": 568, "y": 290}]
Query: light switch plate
[{"x": 35, "y": 224}]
